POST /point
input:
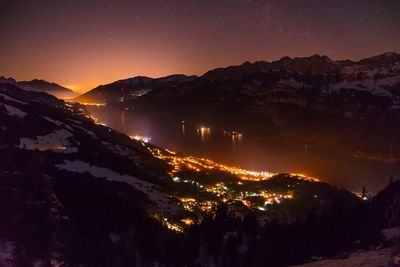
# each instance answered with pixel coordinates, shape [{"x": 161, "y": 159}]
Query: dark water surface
[{"x": 259, "y": 153}]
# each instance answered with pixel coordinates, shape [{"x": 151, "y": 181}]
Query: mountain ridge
[
  {"x": 130, "y": 88},
  {"x": 312, "y": 65},
  {"x": 40, "y": 85}
]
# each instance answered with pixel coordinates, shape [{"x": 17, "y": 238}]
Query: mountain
[
  {"x": 76, "y": 192},
  {"x": 350, "y": 107},
  {"x": 381, "y": 209},
  {"x": 7, "y": 80},
  {"x": 311, "y": 83},
  {"x": 347, "y": 88},
  {"x": 128, "y": 89},
  {"x": 41, "y": 86}
]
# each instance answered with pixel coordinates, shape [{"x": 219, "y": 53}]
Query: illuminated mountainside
[
  {"x": 76, "y": 192},
  {"x": 128, "y": 89}
]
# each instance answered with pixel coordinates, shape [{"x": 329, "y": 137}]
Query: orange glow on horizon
[
  {"x": 87, "y": 43},
  {"x": 71, "y": 87},
  {"x": 82, "y": 88}
]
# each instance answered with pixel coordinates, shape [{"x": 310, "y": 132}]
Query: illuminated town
[
  {"x": 200, "y": 164},
  {"x": 204, "y": 185},
  {"x": 240, "y": 191},
  {"x": 187, "y": 133}
]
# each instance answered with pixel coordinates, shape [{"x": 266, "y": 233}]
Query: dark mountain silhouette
[
  {"x": 309, "y": 82},
  {"x": 41, "y": 86}
]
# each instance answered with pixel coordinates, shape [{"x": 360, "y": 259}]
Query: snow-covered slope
[
  {"x": 42, "y": 123},
  {"x": 373, "y": 258},
  {"x": 55, "y": 162}
]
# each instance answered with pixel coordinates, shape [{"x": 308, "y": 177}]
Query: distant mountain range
[
  {"x": 303, "y": 81},
  {"x": 363, "y": 89},
  {"x": 349, "y": 106},
  {"x": 42, "y": 86},
  {"x": 302, "y": 100},
  {"x": 311, "y": 82}
]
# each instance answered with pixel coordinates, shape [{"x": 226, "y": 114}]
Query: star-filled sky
[{"x": 81, "y": 44}]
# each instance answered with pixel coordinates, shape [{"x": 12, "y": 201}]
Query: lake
[{"x": 258, "y": 153}]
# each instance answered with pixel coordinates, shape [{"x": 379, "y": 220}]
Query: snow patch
[
  {"x": 139, "y": 93},
  {"x": 13, "y": 111},
  {"x": 117, "y": 149},
  {"x": 366, "y": 259},
  {"x": 391, "y": 233},
  {"x": 92, "y": 134},
  {"x": 6, "y": 251},
  {"x": 150, "y": 189},
  {"x": 388, "y": 81},
  {"x": 292, "y": 82},
  {"x": 74, "y": 121},
  {"x": 56, "y": 141},
  {"x": 6, "y": 97},
  {"x": 355, "y": 85},
  {"x": 114, "y": 237},
  {"x": 364, "y": 86},
  {"x": 58, "y": 123},
  {"x": 381, "y": 92}
]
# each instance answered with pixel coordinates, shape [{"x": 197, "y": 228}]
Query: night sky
[{"x": 84, "y": 43}]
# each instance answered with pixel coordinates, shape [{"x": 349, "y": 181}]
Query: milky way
[{"x": 86, "y": 43}]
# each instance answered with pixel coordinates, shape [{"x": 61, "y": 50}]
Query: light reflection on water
[
  {"x": 183, "y": 128},
  {"x": 204, "y": 133},
  {"x": 261, "y": 153},
  {"x": 234, "y": 137}
]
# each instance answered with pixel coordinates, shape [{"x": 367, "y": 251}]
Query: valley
[
  {"x": 176, "y": 166},
  {"x": 153, "y": 133}
]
